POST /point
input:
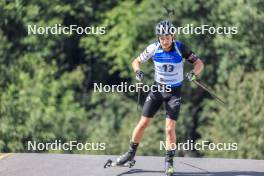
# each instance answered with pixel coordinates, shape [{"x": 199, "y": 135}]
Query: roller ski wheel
[{"x": 169, "y": 171}]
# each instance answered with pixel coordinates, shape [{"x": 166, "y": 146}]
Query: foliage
[{"x": 46, "y": 81}]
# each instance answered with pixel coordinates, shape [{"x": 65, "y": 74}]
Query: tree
[
  {"x": 241, "y": 120},
  {"x": 39, "y": 107}
]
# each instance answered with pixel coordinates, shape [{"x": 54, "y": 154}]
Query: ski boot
[
  {"x": 129, "y": 155},
  {"x": 169, "y": 170},
  {"x": 126, "y": 160}
]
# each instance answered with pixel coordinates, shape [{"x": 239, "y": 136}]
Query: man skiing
[{"x": 167, "y": 56}]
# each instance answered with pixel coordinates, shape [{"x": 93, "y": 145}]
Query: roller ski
[
  {"x": 111, "y": 163},
  {"x": 169, "y": 170},
  {"x": 126, "y": 160}
]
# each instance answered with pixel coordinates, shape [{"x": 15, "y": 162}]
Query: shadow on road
[
  {"x": 240, "y": 173},
  {"x": 135, "y": 171}
]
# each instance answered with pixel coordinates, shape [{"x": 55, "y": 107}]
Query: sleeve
[
  {"x": 147, "y": 53},
  {"x": 188, "y": 54}
]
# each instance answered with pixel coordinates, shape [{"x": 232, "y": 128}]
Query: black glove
[
  {"x": 191, "y": 76},
  {"x": 139, "y": 75}
]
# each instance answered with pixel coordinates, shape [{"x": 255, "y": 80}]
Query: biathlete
[{"x": 167, "y": 55}]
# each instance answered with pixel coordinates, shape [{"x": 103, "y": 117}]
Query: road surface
[{"x": 92, "y": 165}]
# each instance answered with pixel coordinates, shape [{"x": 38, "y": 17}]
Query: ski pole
[
  {"x": 138, "y": 98},
  {"x": 209, "y": 91}
]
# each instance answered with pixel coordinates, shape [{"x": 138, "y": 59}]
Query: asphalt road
[{"x": 91, "y": 165}]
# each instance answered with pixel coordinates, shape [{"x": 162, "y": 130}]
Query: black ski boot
[
  {"x": 169, "y": 170},
  {"x": 129, "y": 155}
]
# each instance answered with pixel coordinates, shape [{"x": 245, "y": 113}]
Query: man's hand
[
  {"x": 191, "y": 76},
  {"x": 139, "y": 75}
]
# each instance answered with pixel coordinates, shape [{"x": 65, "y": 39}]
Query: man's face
[{"x": 166, "y": 42}]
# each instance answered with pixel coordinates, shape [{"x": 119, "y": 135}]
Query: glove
[
  {"x": 191, "y": 76},
  {"x": 139, "y": 75}
]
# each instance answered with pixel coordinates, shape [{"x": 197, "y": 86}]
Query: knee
[{"x": 143, "y": 124}]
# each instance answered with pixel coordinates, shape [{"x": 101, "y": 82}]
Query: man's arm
[
  {"x": 143, "y": 57},
  {"x": 136, "y": 67},
  {"x": 193, "y": 59},
  {"x": 136, "y": 64},
  {"x": 198, "y": 66}
]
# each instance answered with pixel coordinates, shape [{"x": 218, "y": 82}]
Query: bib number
[{"x": 168, "y": 68}]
